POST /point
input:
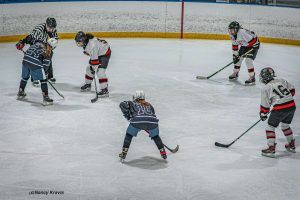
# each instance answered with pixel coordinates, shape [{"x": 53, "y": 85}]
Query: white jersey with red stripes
[
  {"x": 244, "y": 38},
  {"x": 95, "y": 48},
  {"x": 277, "y": 93}
]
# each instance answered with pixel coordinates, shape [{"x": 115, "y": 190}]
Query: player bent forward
[
  {"x": 279, "y": 94},
  {"x": 141, "y": 116},
  {"x": 41, "y": 33},
  {"x": 248, "y": 41},
  {"x": 36, "y": 61},
  {"x": 99, "y": 52}
]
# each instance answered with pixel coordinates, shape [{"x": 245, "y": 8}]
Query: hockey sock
[
  {"x": 44, "y": 87},
  {"x": 103, "y": 80},
  {"x": 287, "y": 132},
  {"x": 158, "y": 142},
  {"x": 236, "y": 69},
  {"x": 270, "y": 133},
  {"x": 23, "y": 84},
  {"x": 127, "y": 140},
  {"x": 249, "y": 63}
]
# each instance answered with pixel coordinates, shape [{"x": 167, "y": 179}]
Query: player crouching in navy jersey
[
  {"x": 36, "y": 61},
  {"x": 141, "y": 116}
]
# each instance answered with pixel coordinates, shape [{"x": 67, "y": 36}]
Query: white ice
[{"x": 73, "y": 146}]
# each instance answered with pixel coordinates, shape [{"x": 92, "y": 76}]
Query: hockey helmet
[
  {"x": 234, "y": 26},
  {"x": 80, "y": 38},
  {"x": 139, "y": 95},
  {"x": 52, "y": 42},
  {"x": 266, "y": 75},
  {"x": 51, "y": 22}
]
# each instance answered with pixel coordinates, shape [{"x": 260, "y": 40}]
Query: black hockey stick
[
  {"x": 96, "y": 98},
  {"x": 208, "y": 77},
  {"x": 51, "y": 84},
  {"x": 228, "y": 145},
  {"x": 55, "y": 89},
  {"x": 171, "y": 150}
]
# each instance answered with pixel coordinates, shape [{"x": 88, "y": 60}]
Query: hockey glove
[
  {"x": 20, "y": 45},
  {"x": 263, "y": 116},
  {"x": 236, "y": 59},
  {"x": 125, "y": 108}
]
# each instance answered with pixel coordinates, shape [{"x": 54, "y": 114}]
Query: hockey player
[
  {"x": 41, "y": 33},
  {"x": 248, "y": 41},
  {"x": 99, "y": 52},
  {"x": 36, "y": 60},
  {"x": 279, "y": 94},
  {"x": 142, "y": 116}
]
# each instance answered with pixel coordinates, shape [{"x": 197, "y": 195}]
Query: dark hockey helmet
[
  {"x": 80, "y": 38},
  {"x": 51, "y": 22},
  {"x": 266, "y": 75},
  {"x": 235, "y": 26}
]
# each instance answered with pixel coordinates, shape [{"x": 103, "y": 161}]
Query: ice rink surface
[{"x": 73, "y": 146}]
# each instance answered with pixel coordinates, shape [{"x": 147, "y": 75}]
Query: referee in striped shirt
[{"x": 41, "y": 33}]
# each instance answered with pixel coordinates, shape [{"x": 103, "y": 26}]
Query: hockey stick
[
  {"x": 51, "y": 84},
  {"x": 96, "y": 98},
  {"x": 228, "y": 145},
  {"x": 55, "y": 89},
  {"x": 208, "y": 77},
  {"x": 171, "y": 150}
]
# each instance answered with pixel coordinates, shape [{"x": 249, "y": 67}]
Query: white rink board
[{"x": 276, "y": 22}]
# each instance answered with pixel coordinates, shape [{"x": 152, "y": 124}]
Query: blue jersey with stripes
[
  {"x": 141, "y": 116},
  {"x": 34, "y": 57}
]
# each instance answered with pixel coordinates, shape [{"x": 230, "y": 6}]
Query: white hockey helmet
[
  {"x": 139, "y": 95},
  {"x": 52, "y": 42}
]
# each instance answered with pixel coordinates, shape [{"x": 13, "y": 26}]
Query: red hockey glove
[{"x": 20, "y": 45}]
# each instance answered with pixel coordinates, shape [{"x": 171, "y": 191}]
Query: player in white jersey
[
  {"x": 248, "y": 41},
  {"x": 279, "y": 94},
  {"x": 99, "y": 52}
]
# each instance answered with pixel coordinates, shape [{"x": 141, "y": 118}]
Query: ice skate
[
  {"x": 250, "y": 81},
  {"x": 85, "y": 88},
  {"x": 234, "y": 76},
  {"x": 103, "y": 93},
  {"x": 21, "y": 95},
  {"x": 52, "y": 80},
  {"x": 270, "y": 151},
  {"x": 291, "y": 146},
  {"x": 47, "y": 100}
]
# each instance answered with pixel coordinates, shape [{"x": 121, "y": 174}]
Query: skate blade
[
  {"x": 103, "y": 96},
  {"x": 85, "y": 90},
  {"x": 249, "y": 84},
  {"x": 47, "y": 103},
  {"x": 234, "y": 79},
  {"x": 269, "y": 155},
  {"x": 21, "y": 98},
  {"x": 291, "y": 150}
]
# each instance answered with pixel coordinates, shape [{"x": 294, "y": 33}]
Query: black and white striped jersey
[{"x": 40, "y": 34}]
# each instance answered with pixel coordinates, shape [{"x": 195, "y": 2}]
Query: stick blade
[
  {"x": 94, "y": 99},
  {"x": 201, "y": 77},
  {"x": 176, "y": 149},
  {"x": 221, "y": 145}
]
